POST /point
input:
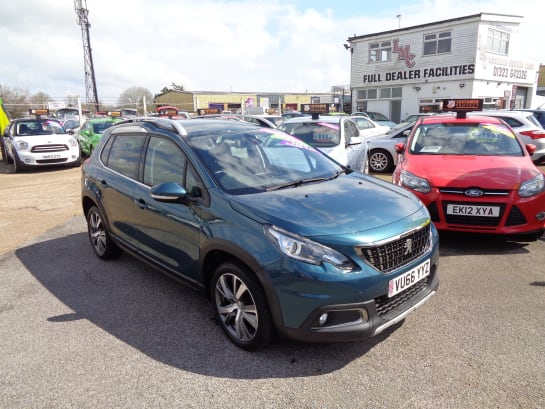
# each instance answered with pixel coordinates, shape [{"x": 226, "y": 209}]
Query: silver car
[{"x": 382, "y": 153}]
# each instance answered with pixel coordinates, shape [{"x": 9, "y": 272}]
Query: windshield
[
  {"x": 260, "y": 160},
  {"x": 317, "y": 134},
  {"x": 39, "y": 127},
  {"x": 377, "y": 116},
  {"x": 465, "y": 139}
]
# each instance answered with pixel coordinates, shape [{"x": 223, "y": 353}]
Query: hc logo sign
[{"x": 404, "y": 53}]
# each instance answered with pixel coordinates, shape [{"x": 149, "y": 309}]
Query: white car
[
  {"x": 527, "y": 127},
  {"x": 368, "y": 127},
  {"x": 337, "y": 136},
  {"x": 39, "y": 141}
]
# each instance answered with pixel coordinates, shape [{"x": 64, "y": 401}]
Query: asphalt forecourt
[{"x": 77, "y": 332}]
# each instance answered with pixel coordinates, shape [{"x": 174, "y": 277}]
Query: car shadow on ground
[
  {"x": 455, "y": 244},
  {"x": 166, "y": 320}
]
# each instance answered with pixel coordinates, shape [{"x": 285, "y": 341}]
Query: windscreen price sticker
[{"x": 408, "y": 279}]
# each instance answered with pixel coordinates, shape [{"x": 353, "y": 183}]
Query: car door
[
  {"x": 83, "y": 137},
  {"x": 356, "y": 146},
  {"x": 116, "y": 182},
  {"x": 168, "y": 231}
]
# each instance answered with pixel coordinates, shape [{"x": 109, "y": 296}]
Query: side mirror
[
  {"x": 399, "y": 147},
  {"x": 169, "y": 192},
  {"x": 531, "y": 148}
]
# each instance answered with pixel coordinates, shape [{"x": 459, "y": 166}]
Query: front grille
[
  {"x": 473, "y": 220},
  {"x": 391, "y": 255},
  {"x": 49, "y": 148},
  {"x": 384, "y": 305},
  {"x": 486, "y": 192}
]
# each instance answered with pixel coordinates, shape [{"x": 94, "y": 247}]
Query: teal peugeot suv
[{"x": 282, "y": 239}]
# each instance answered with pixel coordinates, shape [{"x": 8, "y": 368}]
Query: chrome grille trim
[
  {"x": 389, "y": 255},
  {"x": 49, "y": 148},
  {"x": 461, "y": 191}
]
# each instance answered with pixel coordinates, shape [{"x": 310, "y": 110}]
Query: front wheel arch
[{"x": 240, "y": 306}]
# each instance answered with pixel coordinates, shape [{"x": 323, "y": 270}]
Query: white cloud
[{"x": 210, "y": 45}]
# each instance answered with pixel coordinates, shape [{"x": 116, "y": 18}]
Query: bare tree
[
  {"x": 40, "y": 99},
  {"x": 133, "y": 98},
  {"x": 16, "y": 101}
]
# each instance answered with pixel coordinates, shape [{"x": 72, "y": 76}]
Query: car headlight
[
  {"x": 305, "y": 250},
  {"x": 533, "y": 186},
  {"x": 411, "y": 181},
  {"x": 22, "y": 145},
  {"x": 73, "y": 142}
]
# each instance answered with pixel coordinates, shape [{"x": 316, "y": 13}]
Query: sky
[{"x": 213, "y": 45}]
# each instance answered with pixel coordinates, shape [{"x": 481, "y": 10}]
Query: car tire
[
  {"x": 3, "y": 149},
  {"x": 380, "y": 161},
  {"x": 17, "y": 164},
  {"x": 7, "y": 158},
  {"x": 101, "y": 242},
  {"x": 241, "y": 307}
]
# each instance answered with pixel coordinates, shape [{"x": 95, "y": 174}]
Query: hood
[
  {"x": 348, "y": 204},
  {"x": 494, "y": 172}
]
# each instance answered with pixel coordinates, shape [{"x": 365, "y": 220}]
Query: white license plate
[
  {"x": 408, "y": 279},
  {"x": 473, "y": 210},
  {"x": 55, "y": 156}
]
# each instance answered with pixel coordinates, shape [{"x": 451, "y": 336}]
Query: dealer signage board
[
  {"x": 462, "y": 105},
  {"x": 315, "y": 108}
]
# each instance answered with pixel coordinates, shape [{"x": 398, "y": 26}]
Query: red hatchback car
[{"x": 474, "y": 175}]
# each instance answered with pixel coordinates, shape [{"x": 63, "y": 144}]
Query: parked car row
[{"x": 383, "y": 156}]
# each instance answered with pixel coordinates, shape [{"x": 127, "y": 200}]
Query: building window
[
  {"x": 370, "y": 93},
  {"x": 437, "y": 43},
  {"x": 498, "y": 42},
  {"x": 430, "y": 105},
  {"x": 380, "y": 51},
  {"x": 390, "y": 92},
  {"x": 492, "y": 103}
]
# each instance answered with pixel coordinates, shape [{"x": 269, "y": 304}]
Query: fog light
[
  {"x": 323, "y": 318},
  {"x": 540, "y": 216}
]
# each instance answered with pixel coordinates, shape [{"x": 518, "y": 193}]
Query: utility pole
[{"x": 91, "y": 97}]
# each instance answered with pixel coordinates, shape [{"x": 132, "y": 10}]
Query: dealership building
[{"x": 409, "y": 70}]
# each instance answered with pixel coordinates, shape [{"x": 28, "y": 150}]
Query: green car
[{"x": 91, "y": 131}]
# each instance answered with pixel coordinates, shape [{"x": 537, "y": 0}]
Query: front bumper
[
  {"x": 361, "y": 320},
  {"x": 48, "y": 159}
]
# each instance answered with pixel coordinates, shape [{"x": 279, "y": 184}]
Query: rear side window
[
  {"x": 512, "y": 122},
  {"x": 123, "y": 154}
]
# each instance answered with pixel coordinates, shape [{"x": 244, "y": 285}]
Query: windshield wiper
[{"x": 297, "y": 183}]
